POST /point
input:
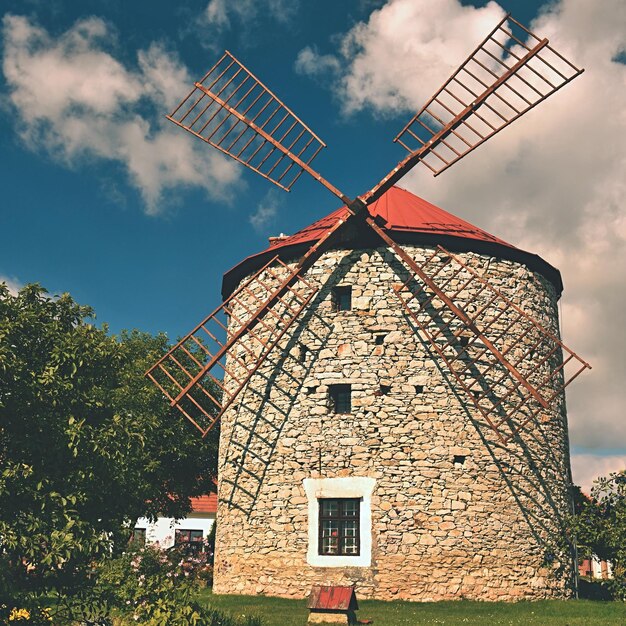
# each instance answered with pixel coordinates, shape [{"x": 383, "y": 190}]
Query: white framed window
[{"x": 357, "y": 492}]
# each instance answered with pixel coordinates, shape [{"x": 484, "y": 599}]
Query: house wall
[
  {"x": 593, "y": 567},
  {"x": 490, "y": 528},
  {"x": 162, "y": 531}
]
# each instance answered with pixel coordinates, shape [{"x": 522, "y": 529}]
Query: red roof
[
  {"x": 403, "y": 212},
  {"x": 204, "y": 504},
  {"x": 410, "y": 217}
]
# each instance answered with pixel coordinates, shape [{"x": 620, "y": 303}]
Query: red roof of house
[
  {"x": 204, "y": 504},
  {"x": 410, "y": 218}
]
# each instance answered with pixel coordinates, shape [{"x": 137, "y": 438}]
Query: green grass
[{"x": 281, "y": 612}]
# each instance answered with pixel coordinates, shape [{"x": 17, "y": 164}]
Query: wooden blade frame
[
  {"x": 194, "y": 375},
  {"x": 501, "y": 80},
  {"x": 233, "y": 111}
]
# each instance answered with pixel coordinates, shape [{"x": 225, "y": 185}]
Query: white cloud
[
  {"x": 13, "y": 284},
  {"x": 553, "y": 183},
  {"x": 76, "y": 101},
  {"x": 219, "y": 14},
  {"x": 405, "y": 51},
  {"x": 265, "y": 213},
  {"x": 588, "y": 467},
  {"x": 311, "y": 62}
]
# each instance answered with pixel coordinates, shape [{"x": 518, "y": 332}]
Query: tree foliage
[
  {"x": 87, "y": 444},
  {"x": 600, "y": 524}
]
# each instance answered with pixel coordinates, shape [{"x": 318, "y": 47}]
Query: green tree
[
  {"x": 600, "y": 525},
  {"x": 87, "y": 444}
]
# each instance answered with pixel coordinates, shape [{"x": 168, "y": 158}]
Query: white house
[{"x": 167, "y": 532}]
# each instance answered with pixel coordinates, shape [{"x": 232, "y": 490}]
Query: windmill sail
[
  {"x": 509, "y": 73},
  {"x": 197, "y": 365},
  {"x": 232, "y": 110}
]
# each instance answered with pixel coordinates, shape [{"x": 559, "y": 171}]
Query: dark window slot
[
  {"x": 342, "y": 298},
  {"x": 340, "y": 398}
]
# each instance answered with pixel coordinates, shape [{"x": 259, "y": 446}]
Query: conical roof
[{"x": 409, "y": 219}]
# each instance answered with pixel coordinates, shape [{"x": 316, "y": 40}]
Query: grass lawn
[{"x": 280, "y": 612}]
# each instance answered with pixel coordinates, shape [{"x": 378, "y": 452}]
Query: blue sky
[{"x": 101, "y": 198}]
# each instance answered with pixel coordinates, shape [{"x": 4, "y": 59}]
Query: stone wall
[{"x": 488, "y": 526}]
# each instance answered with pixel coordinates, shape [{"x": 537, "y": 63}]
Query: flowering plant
[
  {"x": 157, "y": 587},
  {"x": 33, "y": 616}
]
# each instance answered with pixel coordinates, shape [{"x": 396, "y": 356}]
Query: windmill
[
  {"x": 233, "y": 111},
  {"x": 499, "y": 353}
]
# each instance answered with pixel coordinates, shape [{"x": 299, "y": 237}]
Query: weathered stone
[{"x": 479, "y": 529}]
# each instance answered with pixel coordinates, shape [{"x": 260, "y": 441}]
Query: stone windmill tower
[{"x": 391, "y": 377}]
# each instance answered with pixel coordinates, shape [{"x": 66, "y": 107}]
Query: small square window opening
[
  {"x": 342, "y": 298},
  {"x": 459, "y": 460},
  {"x": 385, "y": 390},
  {"x": 419, "y": 389},
  {"x": 340, "y": 398},
  {"x": 379, "y": 339}
]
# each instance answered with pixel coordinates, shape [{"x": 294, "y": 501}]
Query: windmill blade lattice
[
  {"x": 237, "y": 114},
  {"x": 508, "y": 74},
  {"x": 506, "y": 401},
  {"x": 191, "y": 372}
]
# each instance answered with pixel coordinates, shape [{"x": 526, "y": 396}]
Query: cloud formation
[
  {"x": 265, "y": 214},
  {"x": 76, "y": 102},
  {"x": 553, "y": 183},
  {"x": 402, "y": 54},
  {"x": 220, "y": 14}
]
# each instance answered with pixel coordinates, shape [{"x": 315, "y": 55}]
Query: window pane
[
  {"x": 138, "y": 537},
  {"x": 330, "y": 508},
  {"x": 330, "y": 528},
  {"x": 330, "y": 545},
  {"x": 351, "y": 508},
  {"x": 350, "y": 545},
  {"x": 195, "y": 535},
  {"x": 349, "y": 529},
  {"x": 330, "y": 537}
]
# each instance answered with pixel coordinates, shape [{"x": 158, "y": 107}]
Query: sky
[{"x": 105, "y": 199}]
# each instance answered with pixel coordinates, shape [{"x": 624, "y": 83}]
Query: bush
[{"x": 158, "y": 588}]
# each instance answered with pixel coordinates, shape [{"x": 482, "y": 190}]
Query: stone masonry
[{"x": 454, "y": 512}]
